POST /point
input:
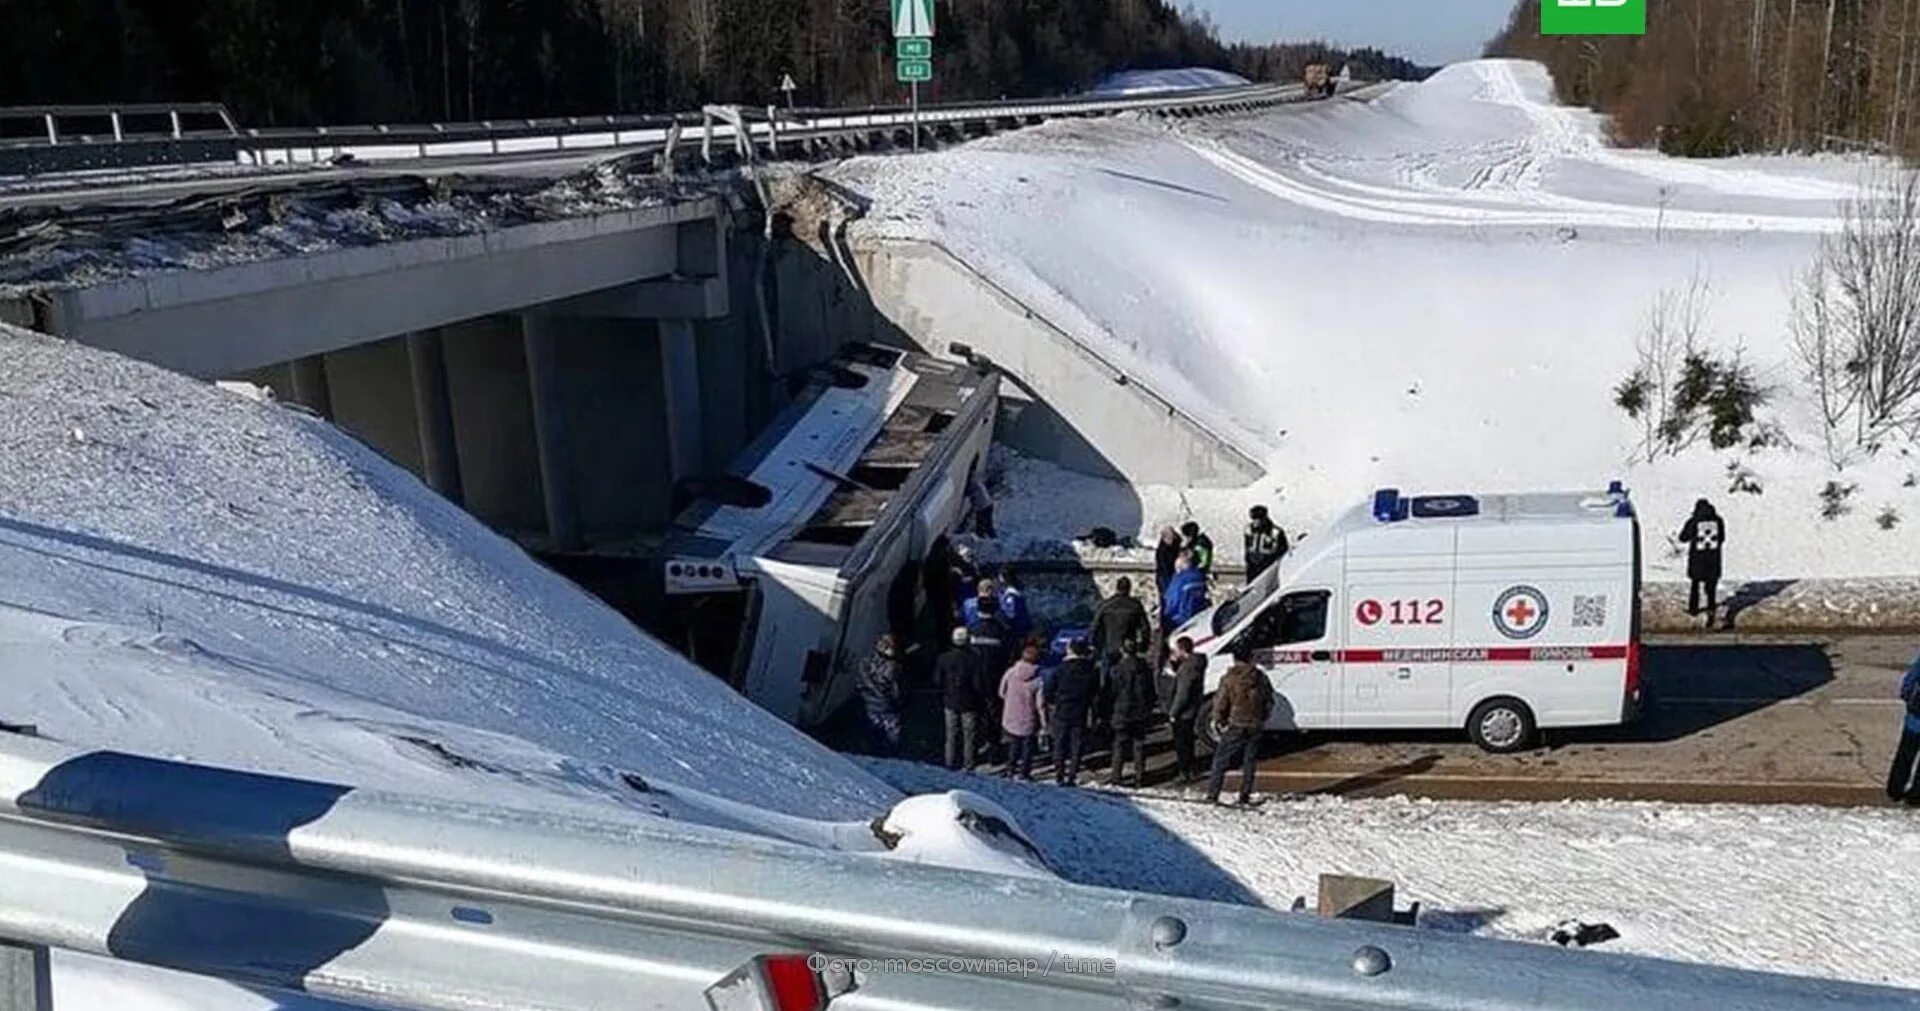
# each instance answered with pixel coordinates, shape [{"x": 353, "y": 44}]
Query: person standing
[
  {"x": 1266, "y": 542},
  {"x": 1901, "y": 784},
  {"x": 1183, "y": 710},
  {"x": 984, "y": 589},
  {"x": 1240, "y": 712},
  {"x": 1198, "y": 546},
  {"x": 1013, "y": 605},
  {"x": 1071, "y": 698},
  {"x": 1133, "y": 705},
  {"x": 1118, "y": 620},
  {"x": 1021, "y": 716},
  {"x": 959, "y": 678},
  {"x": 1704, "y": 534},
  {"x": 1186, "y": 595},
  {"x": 879, "y": 687},
  {"x": 991, "y": 644},
  {"x": 1165, "y": 553}
]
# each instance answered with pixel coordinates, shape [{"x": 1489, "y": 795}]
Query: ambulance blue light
[{"x": 1388, "y": 507}]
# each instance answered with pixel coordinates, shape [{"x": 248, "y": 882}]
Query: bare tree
[
  {"x": 1856, "y": 318},
  {"x": 1670, "y": 337}
]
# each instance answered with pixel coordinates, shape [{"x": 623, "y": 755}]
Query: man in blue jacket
[
  {"x": 1186, "y": 594},
  {"x": 1900, "y": 781}
]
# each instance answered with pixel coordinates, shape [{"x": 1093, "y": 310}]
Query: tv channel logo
[{"x": 1593, "y": 17}]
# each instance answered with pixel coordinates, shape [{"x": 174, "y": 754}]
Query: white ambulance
[{"x": 1501, "y": 614}]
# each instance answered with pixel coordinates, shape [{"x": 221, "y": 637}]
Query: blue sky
[{"x": 1430, "y": 31}]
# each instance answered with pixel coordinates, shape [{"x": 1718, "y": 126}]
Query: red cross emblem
[{"x": 1520, "y": 613}]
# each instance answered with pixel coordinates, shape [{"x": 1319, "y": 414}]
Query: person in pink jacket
[{"x": 1020, "y": 713}]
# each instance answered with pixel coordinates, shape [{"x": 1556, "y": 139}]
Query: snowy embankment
[
  {"x": 186, "y": 573},
  {"x": 1807, "y": 891},
  {"x": 1438, "y": 289}
]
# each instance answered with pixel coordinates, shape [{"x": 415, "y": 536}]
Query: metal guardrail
[{"x": 413, "y": 903}]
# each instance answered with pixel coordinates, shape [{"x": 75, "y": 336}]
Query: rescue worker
[
  {"x": 1118, "y": 620},
  {"x": 1195, "y": 542},
  {"x": 1186, "y": 595},
  {"x": 1240, "y": 712},
  {"x": 957, "y": 673},
  {"x": 962, "y": 576},
  {"x": 991, "y": 643},
  {"x": 1704, "y": 534},
  {"x": 984, "y": 589},
  {"x": 1901, "y": 784},
  {"x": 1165, "y": 553},
  {"x": 1183, "y": 710},
  {"x": 1133, "y": 705},
  {"x": 1266, "y": 542},
  {"x": 879, "y": 687},
  {"x": 1071, "y": 698},
  {"x": 1021, "y": 716}
]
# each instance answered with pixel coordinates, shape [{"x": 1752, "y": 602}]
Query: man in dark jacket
[
  {"x": 1196, "y": 543},
  {"x": 1183, "y": 711},
  {"x": 1165, "y": 553},
  {"x": 1901, "y": 785},
  {"x": 1118, "y": 620},
  {"x": 993, "y": 647},
  {"x": 1240, "y": 712},
  {"x": 879, "y": 686},
  {"x": 1133, "y": 705},
  {"x": 1704, "y": 534},
  {"x": 957, "y": 671},
  {"x": 1266, "y": 543},
  {"x": 1070, "y": 696}
]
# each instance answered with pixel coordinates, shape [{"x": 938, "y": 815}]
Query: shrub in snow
[
  {"x": 1856, "y": 318},
  {"x": 1682, "y": 389},
  {"x": 1833, "y": 500},
  {"x": 1741, "y": 480},
  {"x": 1888, "y": 518}
]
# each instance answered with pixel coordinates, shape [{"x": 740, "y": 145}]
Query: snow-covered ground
[
  {"x": 189, "y": 573},
  {"x": 1806, "y": 891},
  {"x": 1147, "y": 82},
  {"x": 1437, "y": 289}
]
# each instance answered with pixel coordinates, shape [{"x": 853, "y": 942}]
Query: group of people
[{"x": 1005, "y": 691}]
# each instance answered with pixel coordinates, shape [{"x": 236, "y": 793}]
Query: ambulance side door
[
  {"x": 1294, "y": 642},
  {"x": 1398, "y": 665}
]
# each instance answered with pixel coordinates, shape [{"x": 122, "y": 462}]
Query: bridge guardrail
[{"x": 416, "y": 903}]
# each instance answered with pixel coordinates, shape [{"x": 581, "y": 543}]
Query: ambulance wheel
[
  {"x": 1502, "y": 726},
  {"x": 1206, "y": 741}
]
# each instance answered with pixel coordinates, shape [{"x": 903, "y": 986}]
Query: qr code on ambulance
[{"x": 1590, "y": 612}]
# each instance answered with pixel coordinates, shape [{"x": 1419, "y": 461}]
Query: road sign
[
  {"x": 914, "y": 71},
  {"x": 913, "y": 19},
  {"x": 787, "y": 84},
  {"x": 913, "y": 49}
]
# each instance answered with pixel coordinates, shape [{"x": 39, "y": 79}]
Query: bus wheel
[{"x": 1502, "y": 726}]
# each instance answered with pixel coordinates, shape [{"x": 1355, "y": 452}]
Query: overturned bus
[{"x": 780, "y": 576}]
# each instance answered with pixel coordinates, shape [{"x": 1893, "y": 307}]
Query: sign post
[
  {"x": 913, "y": 50},
  {"x": 788, "y": 85}
]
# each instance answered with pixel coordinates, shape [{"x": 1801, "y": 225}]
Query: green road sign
[
  {"x": 1593, "y": 17},
  {"x": 913, "y": 19},
  {"x": 913, "y": 49},
  {"x": 914, "y": 71}
]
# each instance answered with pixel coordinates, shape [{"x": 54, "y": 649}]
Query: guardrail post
[
  {"x": 53, "y": 132},
  {"x": 25, "y": 978},
  {"x": 118, "y": 134}
]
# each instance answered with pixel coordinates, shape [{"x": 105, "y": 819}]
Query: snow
[
  {"x": 1806, "y": 891},
  {"x": 1436, "y": 289},
  {"x": 1147, "y": 82},
  {"x": 188, "y": 572}
]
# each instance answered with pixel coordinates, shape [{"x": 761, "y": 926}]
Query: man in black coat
[
  {"x": 1133, "y": 705},
  {"x": 1704, "y": 534},
  {"x": 957, "y": 672},
  {"x": 1071, "y": 698},
  {"x": 1266, "y": 543},
  {"x": 1120, "y": 619},
  {"x": 1183, "y": 710}
]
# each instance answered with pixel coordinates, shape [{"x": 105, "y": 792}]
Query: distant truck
[
  {"x": 1319, "y": 81},
  {"x": 1499, "y": 614}
]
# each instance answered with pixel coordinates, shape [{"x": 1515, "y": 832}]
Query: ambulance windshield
[{"x": 1249, "y": 601}]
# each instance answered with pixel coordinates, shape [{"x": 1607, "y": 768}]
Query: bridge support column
[
  {"x": 550, "y": 432},
  {"x": 25, "y": 978},
  {"x": 433, "y": 411},
  {"x": 310, "y": 387},
  {"x": 680, "y": 368}
]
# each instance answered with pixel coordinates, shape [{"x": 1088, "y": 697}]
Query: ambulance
[{"x": 1497, "y": 614}]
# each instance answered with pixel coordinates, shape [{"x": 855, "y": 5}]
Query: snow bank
[
  {"x": 1147, "y": 82},
  {"x": 1808, "y": 891},
  {"x": 1437, "y": 289}
]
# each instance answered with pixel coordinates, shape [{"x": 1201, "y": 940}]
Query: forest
[
  {"x": 1722, "y": 77},
  {"x": 308, "y": 62}
]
